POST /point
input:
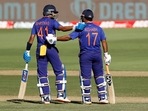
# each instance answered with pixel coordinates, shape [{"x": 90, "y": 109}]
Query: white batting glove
[
  {"x": 51, "y": 39},
  {"x": 107, "y": 58}
]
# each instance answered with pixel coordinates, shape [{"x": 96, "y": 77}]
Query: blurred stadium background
[{"x": 108, "y": 14}]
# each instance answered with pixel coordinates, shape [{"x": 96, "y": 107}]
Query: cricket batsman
[
  {"x": 43, "y": 29},
  {"x": 90, "y": 57}
]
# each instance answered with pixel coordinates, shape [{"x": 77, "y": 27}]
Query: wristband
[
  {"x": 28, "y": 47},
  {"x": 106, "y": 53}
]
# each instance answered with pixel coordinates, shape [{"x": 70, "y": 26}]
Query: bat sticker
[
  {"x": 24, "y": 75},
  {"x": 109, "y": 79}
]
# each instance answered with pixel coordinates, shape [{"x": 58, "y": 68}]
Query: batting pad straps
[
  {"x": 43, "y": 80},
  {"x": 101, "y": 87},
  {"x": 86, "y": 87},
  {"x": 102, "y": 92},
  {"x": 60, "y": 79},
  {"x": 100, "y": 81},
  {"x": 61, "y": 82},
  {"x": 101, "y": 84},
  {"x": 61, "y": 85},
  {"x": 42, "y": 85}
]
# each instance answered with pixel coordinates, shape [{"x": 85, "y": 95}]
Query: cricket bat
[
  {"x": 111, "y": 91},
  {"x": 23, "y": 84}
]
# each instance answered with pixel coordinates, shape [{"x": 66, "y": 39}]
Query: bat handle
[
  {"x": 107, "y": 69},
  {"x": 26, "y": 66}
]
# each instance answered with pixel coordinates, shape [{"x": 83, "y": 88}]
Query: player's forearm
[
  {"x": 30, "y": 42},
  {"x": 63, "y": 38},
  {"x": 104, "y": 46},
  {"x": 65, "y": 28}
]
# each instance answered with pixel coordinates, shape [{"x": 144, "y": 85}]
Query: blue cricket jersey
[
  {"x": 43, "y": 27},
  {"x": 89, "y": 38}
]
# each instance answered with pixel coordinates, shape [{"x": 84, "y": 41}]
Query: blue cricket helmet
[
  {"x": 49, "y": 10},
  {"x": 88, "y": 14}
]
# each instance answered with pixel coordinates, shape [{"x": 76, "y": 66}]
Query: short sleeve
[
  {"x": 102, "y": 35},
  {"x": 33, "y": 31},
  {"x": 56, "y": 25},
  {"x": 74, "y": 35}
]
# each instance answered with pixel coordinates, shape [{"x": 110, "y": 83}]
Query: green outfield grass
[
  {"x": 128, "y": 48},
  {"x": 124, "y": 87},
  {"x": 71, "y": 107}
]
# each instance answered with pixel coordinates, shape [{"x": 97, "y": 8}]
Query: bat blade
[
  {"x": 111, "y": 91},
  {"x": 23, "y": 83}
]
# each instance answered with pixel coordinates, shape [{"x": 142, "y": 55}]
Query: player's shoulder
[
  {"x": 93, "y": 25},
  {"x": 52, "y": 21},
  {"x": 37, "y": 21},
  {"x": 98, "y": 27},
  {"x": 45, "y": 19}
]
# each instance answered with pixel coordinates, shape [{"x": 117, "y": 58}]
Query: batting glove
[
  {"x": 79, "y": 26},
  {"x": 107, "y": 58},
  {"x": 51, "y": 39},
  {"x": 27, "y": 56}
]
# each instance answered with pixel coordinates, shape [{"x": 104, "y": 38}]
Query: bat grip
[
  {"x": 107, "y": 69},
  {"x": 26, "y": 66}
]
